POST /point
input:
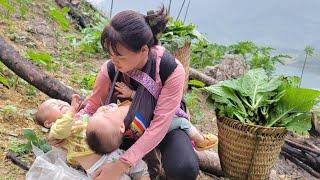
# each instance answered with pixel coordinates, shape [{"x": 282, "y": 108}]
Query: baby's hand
[
  {"x": 124, "y": 90},
  {"x": 75, "y": 103}
]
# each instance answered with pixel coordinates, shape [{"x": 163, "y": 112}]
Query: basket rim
[{"x": 223, "y": 118}]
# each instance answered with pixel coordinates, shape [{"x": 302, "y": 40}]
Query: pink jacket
[{"x": 167, "y": 104}]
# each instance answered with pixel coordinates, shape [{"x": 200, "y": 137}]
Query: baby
[
  {"x": 59, "y": 117},
  {"x": 111, "y": 125}
]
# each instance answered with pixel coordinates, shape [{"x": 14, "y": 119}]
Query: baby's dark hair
[
  {"x": 103, "y": 144},
  {"x": 134, "y": 30}
]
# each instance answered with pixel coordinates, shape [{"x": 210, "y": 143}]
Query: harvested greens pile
[{"x": 256, "y": 99}]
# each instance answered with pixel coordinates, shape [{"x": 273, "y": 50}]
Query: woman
[{"x": 131, "y": 40}]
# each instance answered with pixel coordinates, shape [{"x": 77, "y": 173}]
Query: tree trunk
[
  {"x": 194, "y": 74},
  {"x": 27, "y": 71}
]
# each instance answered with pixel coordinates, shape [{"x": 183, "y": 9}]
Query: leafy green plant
[
  {"x": 308, "y": 50},
  {"x": 204, "y": 53},
  {"x": 193, "y": 103},
  {"x": 196, "y": 83},
  {"x": 89, "y": 42},
  {"x": 7, "y": 5},
  {"x": 258, "y": 57},
  {"x": 33, "y": 139},
  {"x": 40, "y": 58},
  {"x": 177, "y": 34},
  {"x": 255, "y": 99},
  {"x": 87, "y": 81},
  {"x": 60, "y": 17},
  {"x": 24, "y": 6}
]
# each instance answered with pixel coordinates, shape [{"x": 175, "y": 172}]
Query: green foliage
[
  {"x": 255, "y": 99},
  {"x": 6, "y": 4},
  {"x": 8, "y": 111},
  {"x": 3, "y": 78},
  {"x": 177, "y": 34},
  {"x": 87, "y": 81},
  {"x": 4, "y": 81},
  {"x": 60, "y": 17},
  {"x": 33, "y": 139},
  {"x": 258, "y": 57},
  {"x": 308, "y": 50},
  {"x": 24, "y": 6},
  {"x": 41, "y": 58},
  {"x": 196, "y": 83},
  {"x": 90, "y": 38},
  {"x": 205, "y": 54},
  {"x": 193, "y": 103}
]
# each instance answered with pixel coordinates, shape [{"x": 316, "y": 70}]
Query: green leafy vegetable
[
  {"x": 256, "y": 99},
  {"x": 177, "y": 34}
]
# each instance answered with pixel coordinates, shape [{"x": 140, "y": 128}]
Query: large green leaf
[
  {"x": 295, "y": 100},
  {"x": 29, "y": 134}
]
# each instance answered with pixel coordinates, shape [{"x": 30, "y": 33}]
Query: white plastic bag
[{"x": 52, "y": 166}]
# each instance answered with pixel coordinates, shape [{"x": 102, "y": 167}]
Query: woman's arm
[
  {"x": 167, "y": 104},
  {"x": 100, "y": 91}
]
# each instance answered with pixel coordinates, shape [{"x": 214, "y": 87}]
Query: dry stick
[
  {"x": 313, "y": 146},
  {"x": 308, "y": 158},
  {"x": 17, "y": 161},
  {"x": 299, "y": 146},
  {"x": 301, "y": 164}
]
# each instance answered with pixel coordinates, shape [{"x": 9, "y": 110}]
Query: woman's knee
[
  {"x": 178, "y": 157},
  {"x": 186, "y": 171}
]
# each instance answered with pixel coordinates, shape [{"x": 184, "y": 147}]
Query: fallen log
[
  {"x": 194, "y": 74},
  {"x": 301, "y": 164},
  {"x": 304, "y": 156},
  {"x": 27, "y": 71},
  {"x": 209, "y": 162}
]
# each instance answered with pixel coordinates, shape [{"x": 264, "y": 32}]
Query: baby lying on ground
[
  {"x": 59, "y": 117},
  {"x": 104, "y": 134}
]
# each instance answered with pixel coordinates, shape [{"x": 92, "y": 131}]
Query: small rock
[{"x": 231, "y": 66}]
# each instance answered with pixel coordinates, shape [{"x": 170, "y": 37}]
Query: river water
[{"x": 287, "y": 25}]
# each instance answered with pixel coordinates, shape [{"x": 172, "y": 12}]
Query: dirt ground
[{"x": 37, "y": 31}]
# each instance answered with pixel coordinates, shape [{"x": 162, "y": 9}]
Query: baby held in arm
[
  {"x": 59, "y": 116},
  {"x": 202, "y": 141}
]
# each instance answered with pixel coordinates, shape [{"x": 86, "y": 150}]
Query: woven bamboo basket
[
  {"x": 248, "y": 151},
  {"x": 183, "y": 55}
]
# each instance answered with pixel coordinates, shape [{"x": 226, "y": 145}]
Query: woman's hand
[
  {"x": 75, "y": 103},
  {"x": 111, "y": 171},
  {"x": 56, "y": 142},
  {"x": 124, "y": 90}
]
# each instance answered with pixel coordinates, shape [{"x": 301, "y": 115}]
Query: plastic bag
[{"x": 52, "y": 165}]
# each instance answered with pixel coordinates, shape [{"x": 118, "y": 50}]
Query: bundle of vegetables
[
  {"x": 256, "y": 99},
  {"x": 177, "y": 34}
]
